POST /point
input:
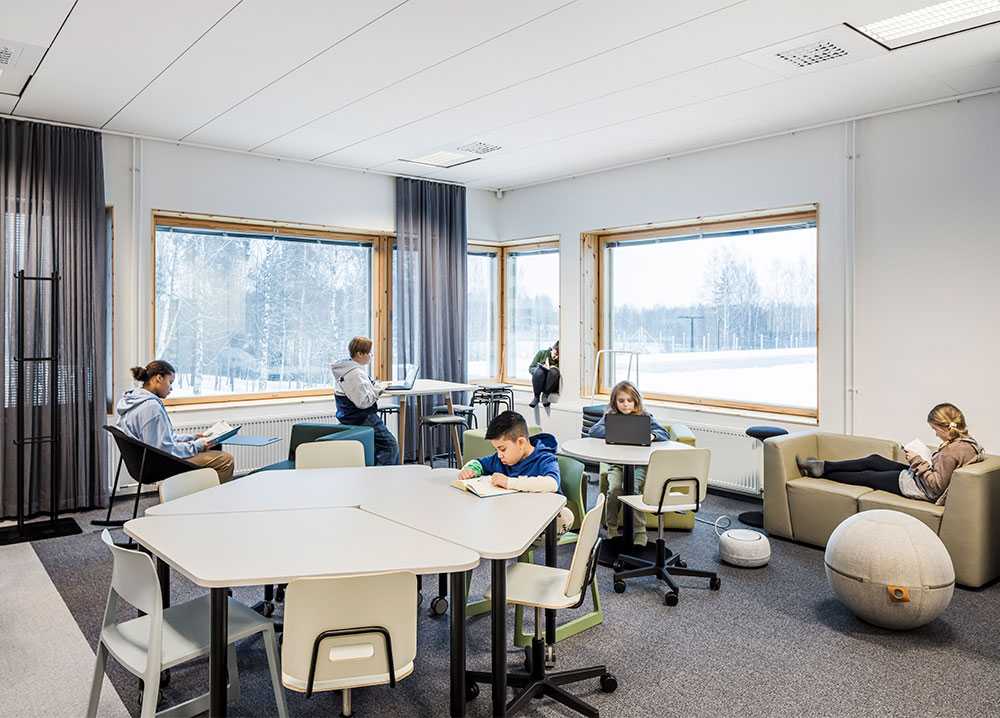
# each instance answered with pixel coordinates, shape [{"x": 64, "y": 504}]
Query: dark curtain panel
[
  {"x": 52, "y": 219},
  {"x": 429, "y": 292}
]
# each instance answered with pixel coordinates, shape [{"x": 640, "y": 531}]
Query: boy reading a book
[{"x": 522, "y": 462}]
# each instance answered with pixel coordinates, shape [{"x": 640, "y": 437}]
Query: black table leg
[
  {"x": 457, "y": 581},
  {"x": 217, "y": 653},
  {"x": 499, "y": 647},
  {"x": 550, "y": 560}
]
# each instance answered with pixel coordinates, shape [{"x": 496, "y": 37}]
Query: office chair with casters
[
  {"x": 330, "y": 455},
  {"x": 675, "y": 481},
  {"x": 146, "y": 464},
  {"x": 344, "y": 633},
  {"x": 190, "y": 482},
  {"x": 545, "y": 587},
  {"x": 166, "y": 637}
]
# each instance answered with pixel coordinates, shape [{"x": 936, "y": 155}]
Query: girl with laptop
[{"x": 626, "y": 399}]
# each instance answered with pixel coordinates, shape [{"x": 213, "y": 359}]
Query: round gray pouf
[
  {"x": 890, "y": 569},
  {"x": 744, "y": 548}
]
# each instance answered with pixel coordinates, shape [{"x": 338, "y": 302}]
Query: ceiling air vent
[
  {"x": 812, "y": 54},
  {"x": 17, "y": 62},
  {"x": 478, "y": 148},
  {"x": 832, "y": 47}
]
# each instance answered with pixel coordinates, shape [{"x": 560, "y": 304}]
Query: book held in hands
[{"x": 481, "y": 486}]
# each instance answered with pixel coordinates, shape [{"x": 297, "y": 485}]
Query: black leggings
[
  {"x": 545, "y": 381},
  {"x": 876, "y": 472}
]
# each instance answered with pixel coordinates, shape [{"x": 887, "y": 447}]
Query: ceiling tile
[
  {"x": 108, "y": 51},
  {"x": 7, "y": 103}
]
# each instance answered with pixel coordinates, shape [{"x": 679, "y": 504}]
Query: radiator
[
  {"x": 248, "y": 458},
  {"x": 737, "y": 460}
]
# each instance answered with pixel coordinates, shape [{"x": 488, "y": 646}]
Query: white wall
[
  {"x": 142, "y": 176},
  {"x": 922, "y": 208}
]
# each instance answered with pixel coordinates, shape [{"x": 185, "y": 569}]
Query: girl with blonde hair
[
  {"x": 626, "y": 399},
  {"x": 918, "y": 478}
]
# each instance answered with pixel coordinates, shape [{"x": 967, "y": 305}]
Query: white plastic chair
[
  {"x": 344, "y": 633},
  {"x": 187, "y": 483},
  {"x": 329, "y": 455},
  {"x": 546, "y": 587},
  {"x": 164, "y": 638},
  {"x": 676, "y": 480}
]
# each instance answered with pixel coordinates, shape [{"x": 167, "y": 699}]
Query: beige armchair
[{"x": 808, "y": 510}]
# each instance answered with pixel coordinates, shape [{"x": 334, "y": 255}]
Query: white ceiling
[{"x": 564, "y": 87}]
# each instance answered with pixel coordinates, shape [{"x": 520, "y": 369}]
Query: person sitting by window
[
  {"x": 142, "y": 415},
  {"x": 918, "y": 478},
  {"x": 626, "y": 399},
  {"x": 544, "y": 369},
  {"x": 357, "y": 399}
]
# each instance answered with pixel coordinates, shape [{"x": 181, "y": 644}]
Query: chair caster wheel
[
  {"x": 609, "y": 683},
  {"x": 439, "y": 606},
  {"x": 471, "y": 691},
  {"x": 619, "y": 587},
  {"x": 618, "y": 566},
  {"x": 670, "y": 599},
  {"x": 681, "y": 564},
  {"x": 715, "y": 583}
]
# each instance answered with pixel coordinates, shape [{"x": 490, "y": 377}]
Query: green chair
[
  {"x": 304, "y": 433},
  {"x": 676, "y": 521}
]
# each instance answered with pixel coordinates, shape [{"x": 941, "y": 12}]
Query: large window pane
[
  {"x": 482, "y": 326},
  {"x": 532, "y": 306},
  {"x": 729, "y": 316},
  {"x": 242, "y": 314}
]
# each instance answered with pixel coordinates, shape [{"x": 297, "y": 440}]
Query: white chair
[
  {"x": 329, "y": 455},
  {"x": 187, "y": 483},
  {"x": 676, "y": 480},
  {"x": 365, "y": 625},
  {"x": 166, "y": 637},
  {"x": 545, "y": 587}
]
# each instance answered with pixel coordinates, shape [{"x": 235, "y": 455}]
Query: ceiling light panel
[
  {"x": 926, "y": 23},
  {"x": 443, "y": 159}
]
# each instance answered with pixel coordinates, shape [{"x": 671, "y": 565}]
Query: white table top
[
  {"x": 426, "y": 387},
  {"x": 497, "y": 527},
  {"x": 296, "y": 489},
  {"x": 268, "y": 547},
  {"x": 596, "y": 450}
]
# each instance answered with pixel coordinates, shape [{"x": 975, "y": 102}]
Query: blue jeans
[{"x": 386, "y": 448}]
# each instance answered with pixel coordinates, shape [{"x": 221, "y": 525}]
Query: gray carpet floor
[{"x": 773, "y": 642}]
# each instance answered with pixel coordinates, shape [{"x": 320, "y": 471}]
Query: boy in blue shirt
[{"x": 522, "y": 462}]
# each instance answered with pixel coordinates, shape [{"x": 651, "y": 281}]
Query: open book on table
[
  {"x": 920, "y": 449},
  {"x": 481, "y": 486},
  {"x": 220, "y": 431}
]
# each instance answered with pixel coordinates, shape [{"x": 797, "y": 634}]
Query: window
[
  {"x": 531, "y": 304},
  {"x": 243, "y": 311},
  {"x": 483, "y": 325},
  {"x": 722, "y": 314}
]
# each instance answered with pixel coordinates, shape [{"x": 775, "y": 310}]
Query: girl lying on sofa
[{"x": 916, "y": 479}]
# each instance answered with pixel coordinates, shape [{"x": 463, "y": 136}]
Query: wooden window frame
[
  {"x": 381, "y": 290},
  {"x": 507, "y": 249},
  {"x": 594, "y": 251},
  {"x": 476, "y": 247}
]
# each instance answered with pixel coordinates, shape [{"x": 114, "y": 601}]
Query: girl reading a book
[
  {"x": 626, "y": 399},
  {"x": 142, "y": 416},
  {"x": 925, "y": 478}
]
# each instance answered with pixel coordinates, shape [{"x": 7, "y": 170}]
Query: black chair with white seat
[
  {"x": 676, "y": 480},
  {"x": 547, "y": 587}
]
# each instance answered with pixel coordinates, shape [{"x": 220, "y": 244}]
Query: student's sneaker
[
  {"x": 534, "y": 402},
  {"x": 545, "y": 401}
]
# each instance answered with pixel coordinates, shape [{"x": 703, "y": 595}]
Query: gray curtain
[
  {"x": 429, "y": 295},
  {"x": 52, "y": 219}
]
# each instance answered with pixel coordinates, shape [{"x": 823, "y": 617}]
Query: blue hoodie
[
  {"x": 598, "y": 431},
  {"x": 540, "y": 462},
  {"x": 142, "y": 416}
]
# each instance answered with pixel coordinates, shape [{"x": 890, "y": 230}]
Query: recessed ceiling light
[
  {"x": 443, "y": 159},
  {"x": 943, "y": 18}
]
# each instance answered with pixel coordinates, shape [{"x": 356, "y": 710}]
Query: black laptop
[{"x": 628, "y": 429}]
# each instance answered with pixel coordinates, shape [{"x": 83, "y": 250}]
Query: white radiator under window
[
  {"x": 248, "y": 458},
  {"x": 737, "y": 460}
]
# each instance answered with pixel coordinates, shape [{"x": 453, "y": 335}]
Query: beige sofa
[{"x": 808, "y": 510}]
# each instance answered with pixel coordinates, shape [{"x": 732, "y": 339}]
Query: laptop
[
  {"x": 628, "y": 429},
  {"x": 407, "y": 383}
]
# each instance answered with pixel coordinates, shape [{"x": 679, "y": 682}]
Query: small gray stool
[{"x": 756, "y": 518}]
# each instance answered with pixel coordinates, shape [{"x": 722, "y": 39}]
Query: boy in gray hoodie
[
  {"x": 357, "y": 399},
  {"x": 142, "y": 416}
]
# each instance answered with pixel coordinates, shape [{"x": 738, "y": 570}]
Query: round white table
[{"x": 596, "y": 451}]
